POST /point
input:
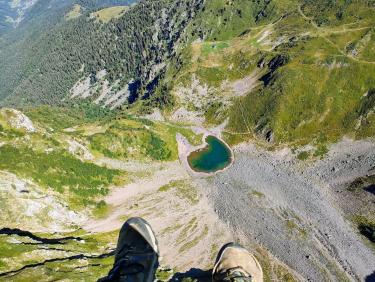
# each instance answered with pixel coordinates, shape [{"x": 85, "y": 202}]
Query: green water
[{"x": 215, "y": 156}]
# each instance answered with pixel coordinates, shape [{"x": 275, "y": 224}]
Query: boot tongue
[
  {"x": 237, "y": 275},
  {"x": 130, "y": 268}
]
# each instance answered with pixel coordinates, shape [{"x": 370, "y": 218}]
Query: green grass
[
  {"x": 318, "y": 92},
  {"x": 14, "y": 255},
  {"x": 368, "y": 51},
  {"x": 167, "y": 187},
  {"x": 107, "y": 14},
  {"x": 101, "y": 210},
  {"x": 254, "y": 42},
  {"x": 321, "y": 151},
  {"x": 59, "y": 171},
  {"x": 192, "y": 243},
  {"x": 309, "y": 99},
  {"x": 13, "y": 250},
  {"x": 213, "y": 75},
  {"x": 163, "y": 274},
  {"x": 343, "y": 39},
  {"x": 338, "y": 12},
  {"x": 222, "y": 20},
  {"x": 293, "y": 227},
  {"x": 210, "y": 47},
  {"x": 283, "y": 274},
  {"x": 361, "y": 182},
  {"x": 59, "y": 118},
  {"x": 191, "y": 226},
  {"x": 272, "y": 270},
  {"x": 75, "y": 12},
  {"x": 183, "y": 190},
  {"x": 304, "y": 155},
  {"x": 171, "y": 229},
  {"x": 131, "y": 139},
  {"x": 256, "y": 194}
]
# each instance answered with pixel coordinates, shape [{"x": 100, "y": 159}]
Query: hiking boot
[
  {"x": 137, "y": 253},
  {"x": 234, "y": 263}
]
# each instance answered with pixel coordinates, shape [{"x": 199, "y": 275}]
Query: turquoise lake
[{"x": 215, "y": 156}]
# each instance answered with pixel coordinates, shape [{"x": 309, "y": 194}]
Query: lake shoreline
[{"x": 185, "y": 149}]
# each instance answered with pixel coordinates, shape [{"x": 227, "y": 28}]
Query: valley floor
[
  {"x": 295, "y": 215},
  {"x": 293, "y": 209}
]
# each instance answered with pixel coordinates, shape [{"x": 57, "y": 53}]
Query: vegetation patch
[
  {"x": 366, "y": 227},
  {"x": 58, "y": 170},
  {"x": 183, "y": 189},
  {"x": 210, "y": 47},
  {"x": 363, "y": 183},
  {"x": 75, "y": 12},
  {"x": 101, "y": 210},
  {"x": 256, "y": 194},
  {"x": 130, "y": 139},
  {"x": 164, "y": 274},
  {"x": 304, "y": 155},
  {"x": 107, "y": 14},
  {"x": 59, "y": 118},
  {"x": 190, "y": 244}
]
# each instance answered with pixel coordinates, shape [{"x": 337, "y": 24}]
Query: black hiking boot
[
  {"x": 137, "y": 253},
  {"x": 235, "y": 264}
]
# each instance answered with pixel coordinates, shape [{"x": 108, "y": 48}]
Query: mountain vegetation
[
  {"x": 96, "y": 96},
  {"x": 300, "y": 54}
]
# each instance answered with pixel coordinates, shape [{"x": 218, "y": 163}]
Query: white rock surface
[{"x": 17, "y": 119}]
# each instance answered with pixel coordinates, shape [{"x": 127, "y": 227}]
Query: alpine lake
[{"x": 214, "y": 157}]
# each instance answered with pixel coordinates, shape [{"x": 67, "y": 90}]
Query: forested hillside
[
  {"x": 127, "y": 49},
  {"x": 285, "y": 64},
  {"x": 18, "y": 43}
]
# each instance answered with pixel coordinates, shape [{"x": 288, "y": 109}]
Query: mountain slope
[
  {"x": 283, "y": 63},
  {"x": 125, "y": 48},
  {"x": 12, "y": 13},
  {"x": 18, "y": 55},
  {"x": 288, "y": 84},
  {"x": 288, "y": 79}
]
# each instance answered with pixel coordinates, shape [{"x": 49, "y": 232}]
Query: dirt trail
[{"x": 320, "y": 34}]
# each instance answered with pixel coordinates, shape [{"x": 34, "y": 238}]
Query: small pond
[{"x": 215, "y": 156}]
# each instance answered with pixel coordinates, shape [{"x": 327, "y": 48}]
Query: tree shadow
[{"x": 194, "y": 274}]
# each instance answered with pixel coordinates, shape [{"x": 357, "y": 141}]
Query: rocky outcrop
[
  {"x": 275, "y": 63},
  {"x": 17, "y": 120}
]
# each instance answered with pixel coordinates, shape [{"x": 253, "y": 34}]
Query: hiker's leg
[
  {"x": 137, "y": 253},
  {"x": 235, "y": 263}
]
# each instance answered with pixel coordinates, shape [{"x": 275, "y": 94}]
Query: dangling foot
[
  {"x": 137, "y": 253},
  {"x": 235, "y": 264}
]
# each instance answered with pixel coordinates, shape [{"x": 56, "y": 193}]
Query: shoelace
[
  {"x": 130, "y": 263},
  {"x": 236, "y": 275}
]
